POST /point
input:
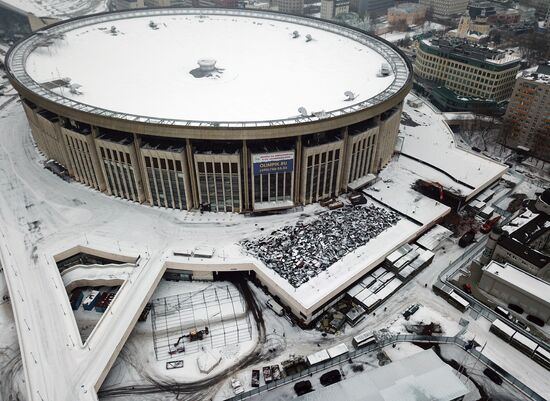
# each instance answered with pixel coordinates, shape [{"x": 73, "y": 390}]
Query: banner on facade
[{"x": 276, "y": 162}]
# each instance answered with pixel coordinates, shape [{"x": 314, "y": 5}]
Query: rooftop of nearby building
[
  {"x": 420, "y": 377},
  {"x": 518, "y": 278},
  {"x": 540, "y": 74},
  {"x": 469, "y": 51}
]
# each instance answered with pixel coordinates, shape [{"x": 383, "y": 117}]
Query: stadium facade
[{"x": 282, "y": 111}]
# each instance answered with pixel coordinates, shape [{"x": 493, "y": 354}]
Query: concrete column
[
  {"x": 61, "y": 145},
  {"x": 298, "y": 171},
  {"x": 345, "y": 160},
  {"x": 96, "y": 163},
  {"x": 135, "y": 159},
  {"x": 191, "y": 170},
  {"x": 246, "y": 165}
]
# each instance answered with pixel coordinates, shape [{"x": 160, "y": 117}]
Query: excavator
[{"x": 194, "y": 335}]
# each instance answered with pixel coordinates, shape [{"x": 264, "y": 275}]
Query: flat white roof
[
  {"x": 145, "y": 64},
  {"x": 420, "y": 377},
  {"x": 528, "y": 343},
  {"x": 338, "y": 350},
  {"x": 318, "y": 357},
  {"x": 433, "y": 142},
  {"x": 499, "y": 324},
  {"x": 520, "y": 280}
]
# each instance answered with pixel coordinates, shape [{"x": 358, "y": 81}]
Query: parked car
[
  {"x": 467, "y": 287},
  {"x": 331, "y": 377},
  {"x": 411, "y": 310},
  {"x": 516, "y": 308},
  {"x": 494, "y": 376},
  {"x": 303, "y": 387},
  {"x": 538, "y": 321},
  {"x": 503, "y": 312},
  {"x": 467, "y": 239}
]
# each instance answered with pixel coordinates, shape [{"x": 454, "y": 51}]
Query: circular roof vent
[{"x": 207, "y": 64}]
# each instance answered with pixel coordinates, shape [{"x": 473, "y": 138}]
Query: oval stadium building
[{"x": 228, "y": 110}]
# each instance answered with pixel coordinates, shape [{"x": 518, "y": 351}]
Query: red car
[{"x": 489, "y": 224}]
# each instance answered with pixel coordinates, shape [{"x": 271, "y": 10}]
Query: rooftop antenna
[
  {"x": 302, "y": 111},
  {"x": 350, "y": 96}
]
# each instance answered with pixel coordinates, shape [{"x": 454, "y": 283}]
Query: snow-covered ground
[
  {"x": 41, "y": 215},
  {"x": 57, "y": 8}
]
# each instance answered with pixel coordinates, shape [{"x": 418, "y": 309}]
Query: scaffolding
[{"x": 222, "y": 309}]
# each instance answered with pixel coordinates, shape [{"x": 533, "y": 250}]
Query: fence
[{"x": 384, "y": 343}]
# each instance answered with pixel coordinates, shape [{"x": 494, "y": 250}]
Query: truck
[
  {"x": 255, "y": 382},
  {"x": 266, "y": 370},
  {"x": 275, "y": 307},
  {"x": 276, "y": 372}
]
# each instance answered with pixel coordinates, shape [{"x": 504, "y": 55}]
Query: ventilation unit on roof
[
  {"x": 302, "y": 111},
  {"x": 295, "y": 34},
  {"x": 74, "y": 89},
  {"x": 308, "y": 38},
  {"x": 349, "y": 96}
]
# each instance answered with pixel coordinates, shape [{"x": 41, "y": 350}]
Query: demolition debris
[{"x": 300, "y": 252}]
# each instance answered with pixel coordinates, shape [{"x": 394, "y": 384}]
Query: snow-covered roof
[
  {"x": 56, "y": 8},
  {"x": 517, "y": 278},
  {"x": 420, "y": 377},
  {"x": 429, "y": 138},
  {"x": 263, "y": 67},
  {"x": 338, "y": 350}
]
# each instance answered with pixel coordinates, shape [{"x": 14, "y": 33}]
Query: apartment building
[
  {"x": 445, "y": 8},
  {"x": 528, "y": 114},
  {"x": 295, "y": 7},
  {"x": 456, "y": 69},
  {"x": 331, "y": 8}
]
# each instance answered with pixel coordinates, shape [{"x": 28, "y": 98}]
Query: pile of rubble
[{"x": 300, "y": 252}]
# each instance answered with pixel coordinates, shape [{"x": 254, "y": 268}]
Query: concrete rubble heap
[{"x": 302, "y": 251}]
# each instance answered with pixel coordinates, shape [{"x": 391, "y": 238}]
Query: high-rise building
[
  {"x": 445, "y": 8},
  {"x": 452, "y": 70},
  {"x": 295, "y": 7},
  {"x": 528, "y": 114},
  {"x": 331, "y": 8},
  {"x": 372, "y": 8}
]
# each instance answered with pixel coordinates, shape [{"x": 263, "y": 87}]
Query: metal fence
[{"x": 384, "y": 343}]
